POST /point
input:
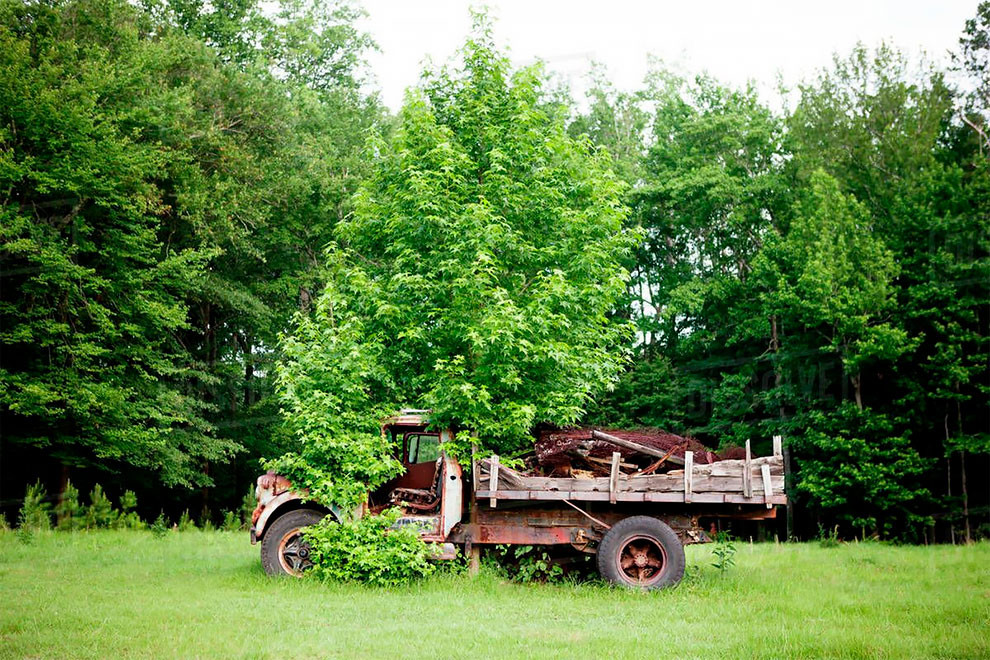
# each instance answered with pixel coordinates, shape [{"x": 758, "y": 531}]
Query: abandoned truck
[{"x": 637, "y": 524}]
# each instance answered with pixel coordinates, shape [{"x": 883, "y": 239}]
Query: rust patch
[{"x": 274, "y": 482}]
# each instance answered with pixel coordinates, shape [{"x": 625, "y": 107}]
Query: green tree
[
  {"x": 829, "y": 282},
  {"x": 93, "y": 297},
  {"x": 476, "y": 277},
  {"x": 708, "y": 192},
  {"x": 164, "y": 203},
  {"x": 885, "y": 131}
]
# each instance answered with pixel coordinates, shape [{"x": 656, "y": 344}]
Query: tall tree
[
  {"x": 168, "y": 203},
  {"x": 884, "y": 130},
  {"x": 93, "y": 300},
  {"x": 475, "y": 278}
]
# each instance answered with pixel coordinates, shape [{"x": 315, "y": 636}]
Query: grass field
[{"x": 203, "y": 594}]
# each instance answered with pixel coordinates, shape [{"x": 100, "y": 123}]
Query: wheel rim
[
  {"x": 293, "y": 553},
  {"x": 641, "y": 561}
]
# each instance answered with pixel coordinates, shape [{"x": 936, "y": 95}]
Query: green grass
[{"x": 198, "y": 594}]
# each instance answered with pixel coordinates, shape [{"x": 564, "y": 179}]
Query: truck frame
[{"x": 637, "y": 525}]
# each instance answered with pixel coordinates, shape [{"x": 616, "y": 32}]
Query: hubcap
[
  {"x": 641, "y": 560},
  {"x": 293, "y": 553}
]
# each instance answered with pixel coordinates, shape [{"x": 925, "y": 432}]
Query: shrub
[
  {"x": 186, "y": 522},
  {"x": 35, "y": 512},
  {"x": 231, "y": 522},
  {"x": 68, "y": 512},
  {"x": 369, "y": 549},
  {"x": 160, "y": 527},
  {"x": 247, "y": 508},
  {"x": 128, "y": 517},
  {"x": 99, "y": 513}
]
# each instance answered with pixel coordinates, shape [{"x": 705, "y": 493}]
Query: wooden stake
[
  {"x": 767, "y": 487},
  {"x": 748, "y": 473},
  {"x": 688, "y": 475},
  {"x": 474, "y": 465},
  {"x": 473, "y": 553},
  {"x": 493, "y": 502},
  {"x": 613, "y": 479},
  {"x": 778, "y": 450}
]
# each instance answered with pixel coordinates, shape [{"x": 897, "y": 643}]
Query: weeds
[
  {"x": 828, "y": 538},
  {"x": 724, "y": 552}
]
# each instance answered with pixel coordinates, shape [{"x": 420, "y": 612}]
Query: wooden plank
[
  {"x": 670, "y": 482},
  {"x": 493, "y": 485},
  {"x": 510, "y": 479},
  {"x": 625, "y": 496},
  {"x": 778, "y": 446},
  {"x": 634, "y": 446},
  {"x": 767, "y": 487},
  {"x": 688, "y": 474},
  {"x": 747, "y": 475},
  {"x": 724, "y": 468},
  {"x": 613, "y": 478},
  {"x": 736, "y": 498}
]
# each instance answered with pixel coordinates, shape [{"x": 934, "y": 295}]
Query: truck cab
[{"x": 430, "y": 491}]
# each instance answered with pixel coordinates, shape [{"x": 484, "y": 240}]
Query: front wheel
[
  {"x": 284, "y": 551},
  {"x": 641, "y": 552}
]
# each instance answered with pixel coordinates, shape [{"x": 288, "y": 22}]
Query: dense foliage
[
  {"x": 196, "y": 231},
  {"x": 476, "y": 278},
  {"x": 168, "y": 175},
  {"x": 368, "y": 550},
  {"x": 823, "y": 275}
]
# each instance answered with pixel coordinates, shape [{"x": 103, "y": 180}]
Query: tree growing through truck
[{"x": 476, "y": 278}]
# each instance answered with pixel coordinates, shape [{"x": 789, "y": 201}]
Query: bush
[
  {"x": 68, "y": 512},
  {"x": 36, "y": 511},
  {"x": 231, "y": 522},
  {"x": 368, "y": 550},
  {"x": 205, "y": 521},
  {"x": 99, "y": 513},
  {"x": 247, "y": 508},
  {"x": 186, "y": 522},
  {"x": 160, "y": 527},
  {"x": 128, "y": 517}
]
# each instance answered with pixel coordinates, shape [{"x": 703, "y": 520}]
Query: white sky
[{"x": 734, "y": 41}]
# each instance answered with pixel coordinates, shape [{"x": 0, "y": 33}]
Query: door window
[{"x": 422, "y": 448}]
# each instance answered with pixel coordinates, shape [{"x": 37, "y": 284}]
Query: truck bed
[{"x": 721, "y": 482}]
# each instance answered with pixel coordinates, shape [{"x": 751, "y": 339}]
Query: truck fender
[{"x": 277, "y": 504}]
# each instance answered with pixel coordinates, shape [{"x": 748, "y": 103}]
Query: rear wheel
[
  {"x": 641, "y": 552},
  {"x": 284, "y": 551}
]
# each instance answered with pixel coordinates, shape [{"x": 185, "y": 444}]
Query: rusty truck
[{"x": 637, "y": 525}]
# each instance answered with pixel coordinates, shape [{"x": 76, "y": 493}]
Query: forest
[{"x": 192, "y": 193}]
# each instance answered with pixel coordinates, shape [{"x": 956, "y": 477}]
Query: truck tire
[
  {"x": 641, "y": 552},
  {"x": 283, "y": 549}
]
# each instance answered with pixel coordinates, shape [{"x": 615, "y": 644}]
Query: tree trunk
[
  {"x": 962, "y": 471},
  {"x": 857, "y": 389},
  {"x": 948, "y": 477},
  {"x": 246, "y": 349}
]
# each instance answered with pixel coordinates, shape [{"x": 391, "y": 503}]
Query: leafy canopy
[{"x": 476, "y": 277}]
